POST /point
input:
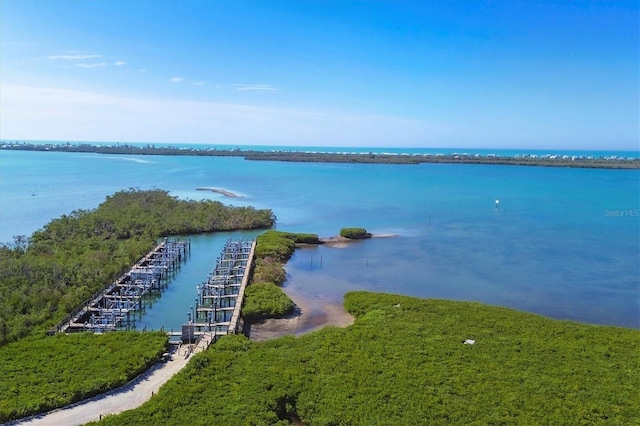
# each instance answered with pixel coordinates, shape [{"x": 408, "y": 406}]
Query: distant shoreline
[{"x": 555, "y": 160}]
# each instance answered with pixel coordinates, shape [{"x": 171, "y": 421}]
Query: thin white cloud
[
  {"x": 177, "y": 80},
  {"x": 73, "y": 57},
  {"x": 60, "y": 114},
  {"x": 256, "y": 87},
  {"x": 119, "y": 63},
  {"x": 95, "y": 65}
]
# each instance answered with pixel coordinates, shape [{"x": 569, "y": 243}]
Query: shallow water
[{"x": 563, "y": 242}]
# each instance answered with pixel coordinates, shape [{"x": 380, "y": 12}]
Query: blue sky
[{"x": 494, "y": 74}]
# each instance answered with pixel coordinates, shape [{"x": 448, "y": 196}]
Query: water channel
[{"x": 169, "y": 309}]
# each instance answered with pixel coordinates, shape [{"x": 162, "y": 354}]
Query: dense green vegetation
[
  {"x": 45, "y": 277},
  {"x": 264, "y": 298},
  {"x": 403, "y": 362},
  {"x": 42, "y": 373},
  {"x": 354, "y": 233},
  {"x": 280, "y": 245}
]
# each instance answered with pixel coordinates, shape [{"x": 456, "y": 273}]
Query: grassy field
[
  {"x": 42, "y": 373},
  {"x": 403, "y": 362}
]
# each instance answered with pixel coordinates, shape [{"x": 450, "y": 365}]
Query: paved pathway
[{"x": 124, "y": 398}]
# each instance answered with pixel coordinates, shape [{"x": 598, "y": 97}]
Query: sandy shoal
[
  {"x": 310, "y": 315},
  {"x": 220, "y": 191},
  {"x": 342, "y": 242}
]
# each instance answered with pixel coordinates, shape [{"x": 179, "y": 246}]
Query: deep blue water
[{"x": 563, "y": 243}]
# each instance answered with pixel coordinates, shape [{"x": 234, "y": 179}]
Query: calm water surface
[{"x": 563, "y": 243}]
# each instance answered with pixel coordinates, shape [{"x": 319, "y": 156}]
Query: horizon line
[{"x": 358, "y": 147}]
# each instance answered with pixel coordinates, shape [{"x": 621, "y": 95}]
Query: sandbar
[
  {"x": 220, "y": 191},
  {"x": 310, "y": 315},
  {"x": 342, "y": 242}
]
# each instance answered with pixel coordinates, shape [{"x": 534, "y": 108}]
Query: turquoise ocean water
[{"x": 563, "y": 243}]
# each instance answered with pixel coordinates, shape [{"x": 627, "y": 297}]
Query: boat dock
[
  {"x": 217, "y": 304},
  {"x": 112, "y": 307},
  {"x": 218, "y": 300}
]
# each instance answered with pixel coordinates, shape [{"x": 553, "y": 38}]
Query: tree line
[{"x": 335, "y": 157}]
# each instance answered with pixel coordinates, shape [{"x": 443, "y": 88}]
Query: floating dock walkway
[{"x": 111, "y": 308}]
